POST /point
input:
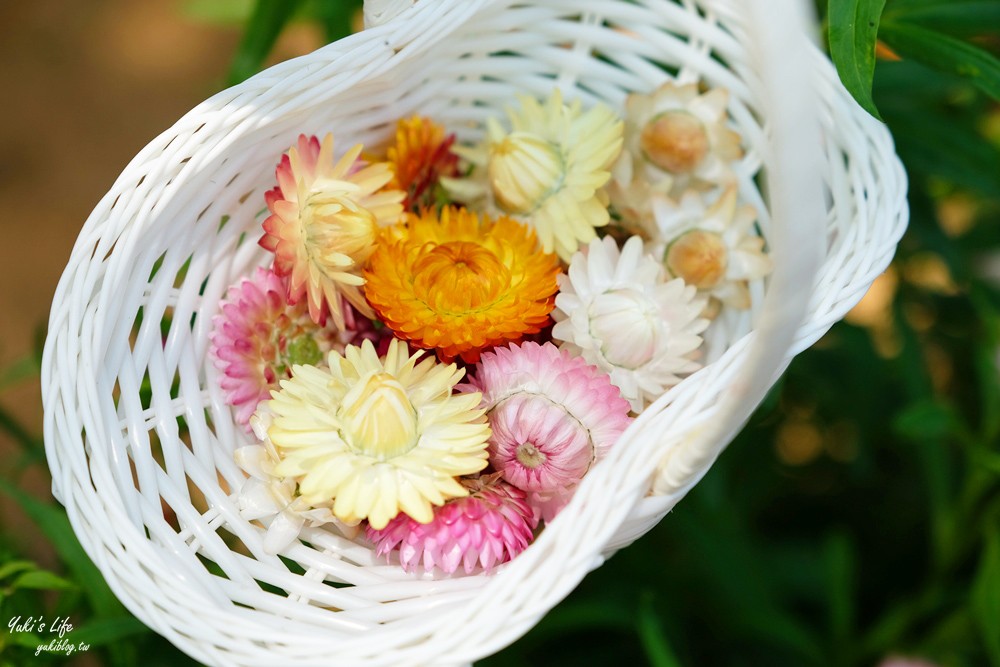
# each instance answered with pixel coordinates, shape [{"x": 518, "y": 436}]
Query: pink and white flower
[
  {"x": 552, "y": 417},
  {"x": 484, "y": 529},
  {"x": 259, "y": 335}
]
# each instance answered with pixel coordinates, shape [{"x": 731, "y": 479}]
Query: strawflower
[
  {"x": 486, "y": 528},
  {"x": 712, "y": 247},
  {"x": 257, "y": 338},
  {"x": 420, "y": 157},
  {"x": 675, "y": 138},
  {"x": 552, "y": 416},
  {"x": 273, "y": 500},
  {"x": 548, "y": 170},
  {"x": 377, "y": 435},
  {"x": 459, "y": 284},
  {"x": 324, "y": 218},
  {"x": 617, "y": 310}
]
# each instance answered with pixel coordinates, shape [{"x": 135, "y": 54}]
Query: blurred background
[{"x": 856, "y": 521}]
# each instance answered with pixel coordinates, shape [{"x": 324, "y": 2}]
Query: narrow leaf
[
  {"x": 654, "y": 640},
  {"x": 52, "y": 521},
  {"x": 106, "y": 631},
  {"x": 266, "y": 23},
  {"x": 42, "y": 580},
  {"x": 985, "y": 598},
  {"x": 945, "y": 54},
  {"x": 961, "y": 18},
  {"x": 853, "y": 32}
]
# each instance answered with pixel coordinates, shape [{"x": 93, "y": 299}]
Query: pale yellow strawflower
[
  {"x": 547, "y": 170},
  {"x": 377, "y": 436}
]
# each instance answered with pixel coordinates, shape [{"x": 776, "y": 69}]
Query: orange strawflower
[
  {"x": 421, "y": 156},
  {"x": 459, "y": 284}
]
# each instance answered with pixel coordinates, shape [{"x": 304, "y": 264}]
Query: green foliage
[
  {"x": 934, "y": 33},
  {"x": 853, "y": 27}
]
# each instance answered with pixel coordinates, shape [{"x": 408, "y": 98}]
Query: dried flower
[
  {"x": 460, "y": 285},
  {"x": 420, "y": 157},
  {"x": 257, "y": 338},
  {"x": 618, "y": 312},
  {"x": 377, "y": 436},
  {"x": 324, "y": 218},
  {"x": 675, "y": 139},
  {"x": 489, "y": 526},
  {"x": 548, "y": 170},
  {"x": 711, "y": 247},
  {"x": 552, "y": 416}
]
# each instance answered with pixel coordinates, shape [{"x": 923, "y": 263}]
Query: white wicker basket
[{"x": 156, "y": 512}]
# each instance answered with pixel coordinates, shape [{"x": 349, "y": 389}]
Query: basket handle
[
  {"x": 779, "y": 34},
  {"x": 377, "y": 12}
]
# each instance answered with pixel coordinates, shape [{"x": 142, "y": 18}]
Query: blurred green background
[{"x": 855, "y": 522}]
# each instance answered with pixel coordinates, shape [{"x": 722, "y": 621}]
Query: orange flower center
[
  {"x": 675, "y": 141},
  {"x": 699, "y": 257},
  {"x": 467, "y": 275}
]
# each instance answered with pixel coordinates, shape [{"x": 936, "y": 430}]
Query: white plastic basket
[{"x": 126, "y": 357}]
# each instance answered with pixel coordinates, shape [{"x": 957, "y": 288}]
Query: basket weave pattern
[{"x": 126, "y": 369}]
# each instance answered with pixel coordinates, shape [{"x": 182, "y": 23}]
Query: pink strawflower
[
  {"x": 552, "y": 416},
  {"x": 259, "y": 335},
  {"x": 489, "y": 526}
]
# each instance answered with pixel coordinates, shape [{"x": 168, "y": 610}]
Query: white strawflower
[
  {"x": 273, "y": 499},
  {"x": 675, "y": 139},
  {"x": 712, "y": 247},
  {"x": 619, "y": 312}
]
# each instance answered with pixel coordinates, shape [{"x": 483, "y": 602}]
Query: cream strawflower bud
[
  {"x": 675, "y": 141},
  {"x": 714, "y": 246},
  {"x": 625, "y": 310},
  {"x": 699, "y": 257},
  {"x": 522, "y": 170},
  {"x": 676, "y": 138},
  {"x": 548, "y": 170}
]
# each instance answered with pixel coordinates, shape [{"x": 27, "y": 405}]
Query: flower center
[
  {"x": 459, "y": 276},
  {"x": 523, "y": 171},
  {"x": 627, "y": 324},
  {"x": 379, "y": 420},
  {"x": 530, "y": 456},
  {"x": 675, "y": 141},
  {"x": 699, "y": 257},
  {"x": 339, "y": 234}
]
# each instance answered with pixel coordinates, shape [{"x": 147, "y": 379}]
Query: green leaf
[
  {"x": 15, "y": 566},
  {"x": 28, "y": 366},
  {"x": 840, "y": 567},
  {"x": 219, "y": 12},
  {"x": 42, "y": 580},
  {"x": 945, "y": 54},
  {"x": 26, "y": 639},
  {"x": 986, "y": 596},
  {"x": 654, "y": 640},
  {"x": 926, "y": 420},
  {"x": 52, "y": 521},
  {"x": 954, "y": 17},
  {"x": 108, "y": 630},
  {"x": 336, "y": 17},
  {"x": 853, "y": 32},
  {"x": 266, "y": 23}
]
